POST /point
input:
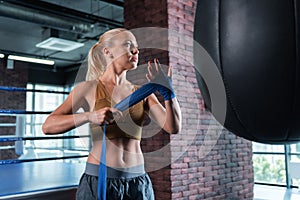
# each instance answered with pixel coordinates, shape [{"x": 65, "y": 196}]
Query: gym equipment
[{"x": 255, "y": 46}]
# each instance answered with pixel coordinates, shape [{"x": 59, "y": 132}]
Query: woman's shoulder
[
  {"x": 84, "y": 88},
  {"x": 86, "y": 84}
]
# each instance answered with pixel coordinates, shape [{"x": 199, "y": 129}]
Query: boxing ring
[
  {"x": 28, "y": 179},
  {"x": 36, "y": 171}
]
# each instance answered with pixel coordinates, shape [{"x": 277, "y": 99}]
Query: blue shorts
[{"x": 122, "y": 184}]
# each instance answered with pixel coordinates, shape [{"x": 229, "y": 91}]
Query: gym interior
[{"x": 240, "y": 136}]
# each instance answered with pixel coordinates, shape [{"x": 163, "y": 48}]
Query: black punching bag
[{"x": 255, "y": 46}]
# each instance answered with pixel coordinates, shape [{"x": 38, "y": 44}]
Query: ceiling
[{"x": 26, "y": 23}]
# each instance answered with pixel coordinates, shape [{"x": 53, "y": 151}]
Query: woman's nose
[{"x": 134, "y": 50}]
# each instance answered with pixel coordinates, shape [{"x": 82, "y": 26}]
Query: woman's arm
[
  {"x": 65, "y": 118},
  {"x": 168, "y": 117}
]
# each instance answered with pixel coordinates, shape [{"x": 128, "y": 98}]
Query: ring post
[{"x": 20, "y": 132}]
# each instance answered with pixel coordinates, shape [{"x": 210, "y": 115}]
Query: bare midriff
[{"x": 120, "y": 153}]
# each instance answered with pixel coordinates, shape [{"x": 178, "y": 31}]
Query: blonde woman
[{"x": 109, "y": 59}]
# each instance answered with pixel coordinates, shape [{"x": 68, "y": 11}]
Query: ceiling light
[
  {"x": 33, "y": 60},
  {"x": 1, "y": 55},
  {"x": 59, "y": 44}
]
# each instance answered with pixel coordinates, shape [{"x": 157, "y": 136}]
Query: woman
[{"x": 110, "y": 58}]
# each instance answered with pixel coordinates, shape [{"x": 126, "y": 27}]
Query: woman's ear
[{"x": 107, "y": 53}]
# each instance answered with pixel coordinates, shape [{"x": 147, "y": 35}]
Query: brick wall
[
  {"x": 223, "y": 168},
  {"x": 16, "y": 77},
  {"x": 205, "y": 161}
]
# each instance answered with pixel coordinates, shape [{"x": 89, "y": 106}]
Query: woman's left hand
[
  {"x": 163, "y": 82},
  {"x": 155, "y": 73}
]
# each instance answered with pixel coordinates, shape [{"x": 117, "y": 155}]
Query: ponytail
[{"x": 96, "y": 59}]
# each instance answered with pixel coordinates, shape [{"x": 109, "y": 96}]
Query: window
[
  {"x": 271, "y": 164},
  {"x": 295, "y": 158}
]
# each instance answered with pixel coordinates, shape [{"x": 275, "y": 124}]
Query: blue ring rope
[
  {"x": 2, "y": 111},
  {"x": 5, "y": 162},
  {"x": 17, "y": 89},
  {"x": 126, "y": 103},
  {"x": 13, "y": 139}
]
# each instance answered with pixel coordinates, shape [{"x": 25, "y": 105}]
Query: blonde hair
[{"x": 96, "y": 59}]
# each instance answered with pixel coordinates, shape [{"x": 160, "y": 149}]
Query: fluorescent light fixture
[
  {"x": 1, "y": 55},
  {"x": 59, "y": 44},
  {"x": 33, "y": 60}
]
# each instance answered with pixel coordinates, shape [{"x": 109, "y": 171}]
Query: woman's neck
[{"x": 113, "y": 77}]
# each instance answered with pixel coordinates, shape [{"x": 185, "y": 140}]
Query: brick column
[
  {"x": 204, "y": 164},
  {"x": 145, "y": 13},
  {"x": 16, "y": 77}
]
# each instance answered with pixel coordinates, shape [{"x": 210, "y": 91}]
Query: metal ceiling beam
[{"x": 68, "y": 12}]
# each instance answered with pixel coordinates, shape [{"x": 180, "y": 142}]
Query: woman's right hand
[{"x": 106, "y": 115}]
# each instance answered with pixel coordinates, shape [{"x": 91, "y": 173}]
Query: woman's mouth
[{"x": 134, "y": 59}]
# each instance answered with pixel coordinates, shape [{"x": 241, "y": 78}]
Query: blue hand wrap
[
  {"x": 163, "y": 85},
  {"x": 166, "y": 91},
  {"x": 102, "y": 174},
  {"x": 126, "y": 103},
  {"x": 137, "y": 96}
]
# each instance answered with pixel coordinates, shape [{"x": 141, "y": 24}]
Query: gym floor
[{"x": 263, "y": 192}]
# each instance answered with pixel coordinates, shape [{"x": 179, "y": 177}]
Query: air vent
[{"x": 59, "y": 44}]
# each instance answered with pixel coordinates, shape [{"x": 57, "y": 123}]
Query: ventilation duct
[{"x": 42, "y": 18}]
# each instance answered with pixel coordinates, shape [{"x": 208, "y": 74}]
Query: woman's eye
[
  {"x": 127, "y": 44},
  {"x": 130, "y": 45}
]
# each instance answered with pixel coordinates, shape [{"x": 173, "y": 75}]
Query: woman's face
[{"x": 124, "y": 51}]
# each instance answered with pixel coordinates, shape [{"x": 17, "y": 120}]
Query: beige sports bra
[{"x": 129, "y": 126}]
